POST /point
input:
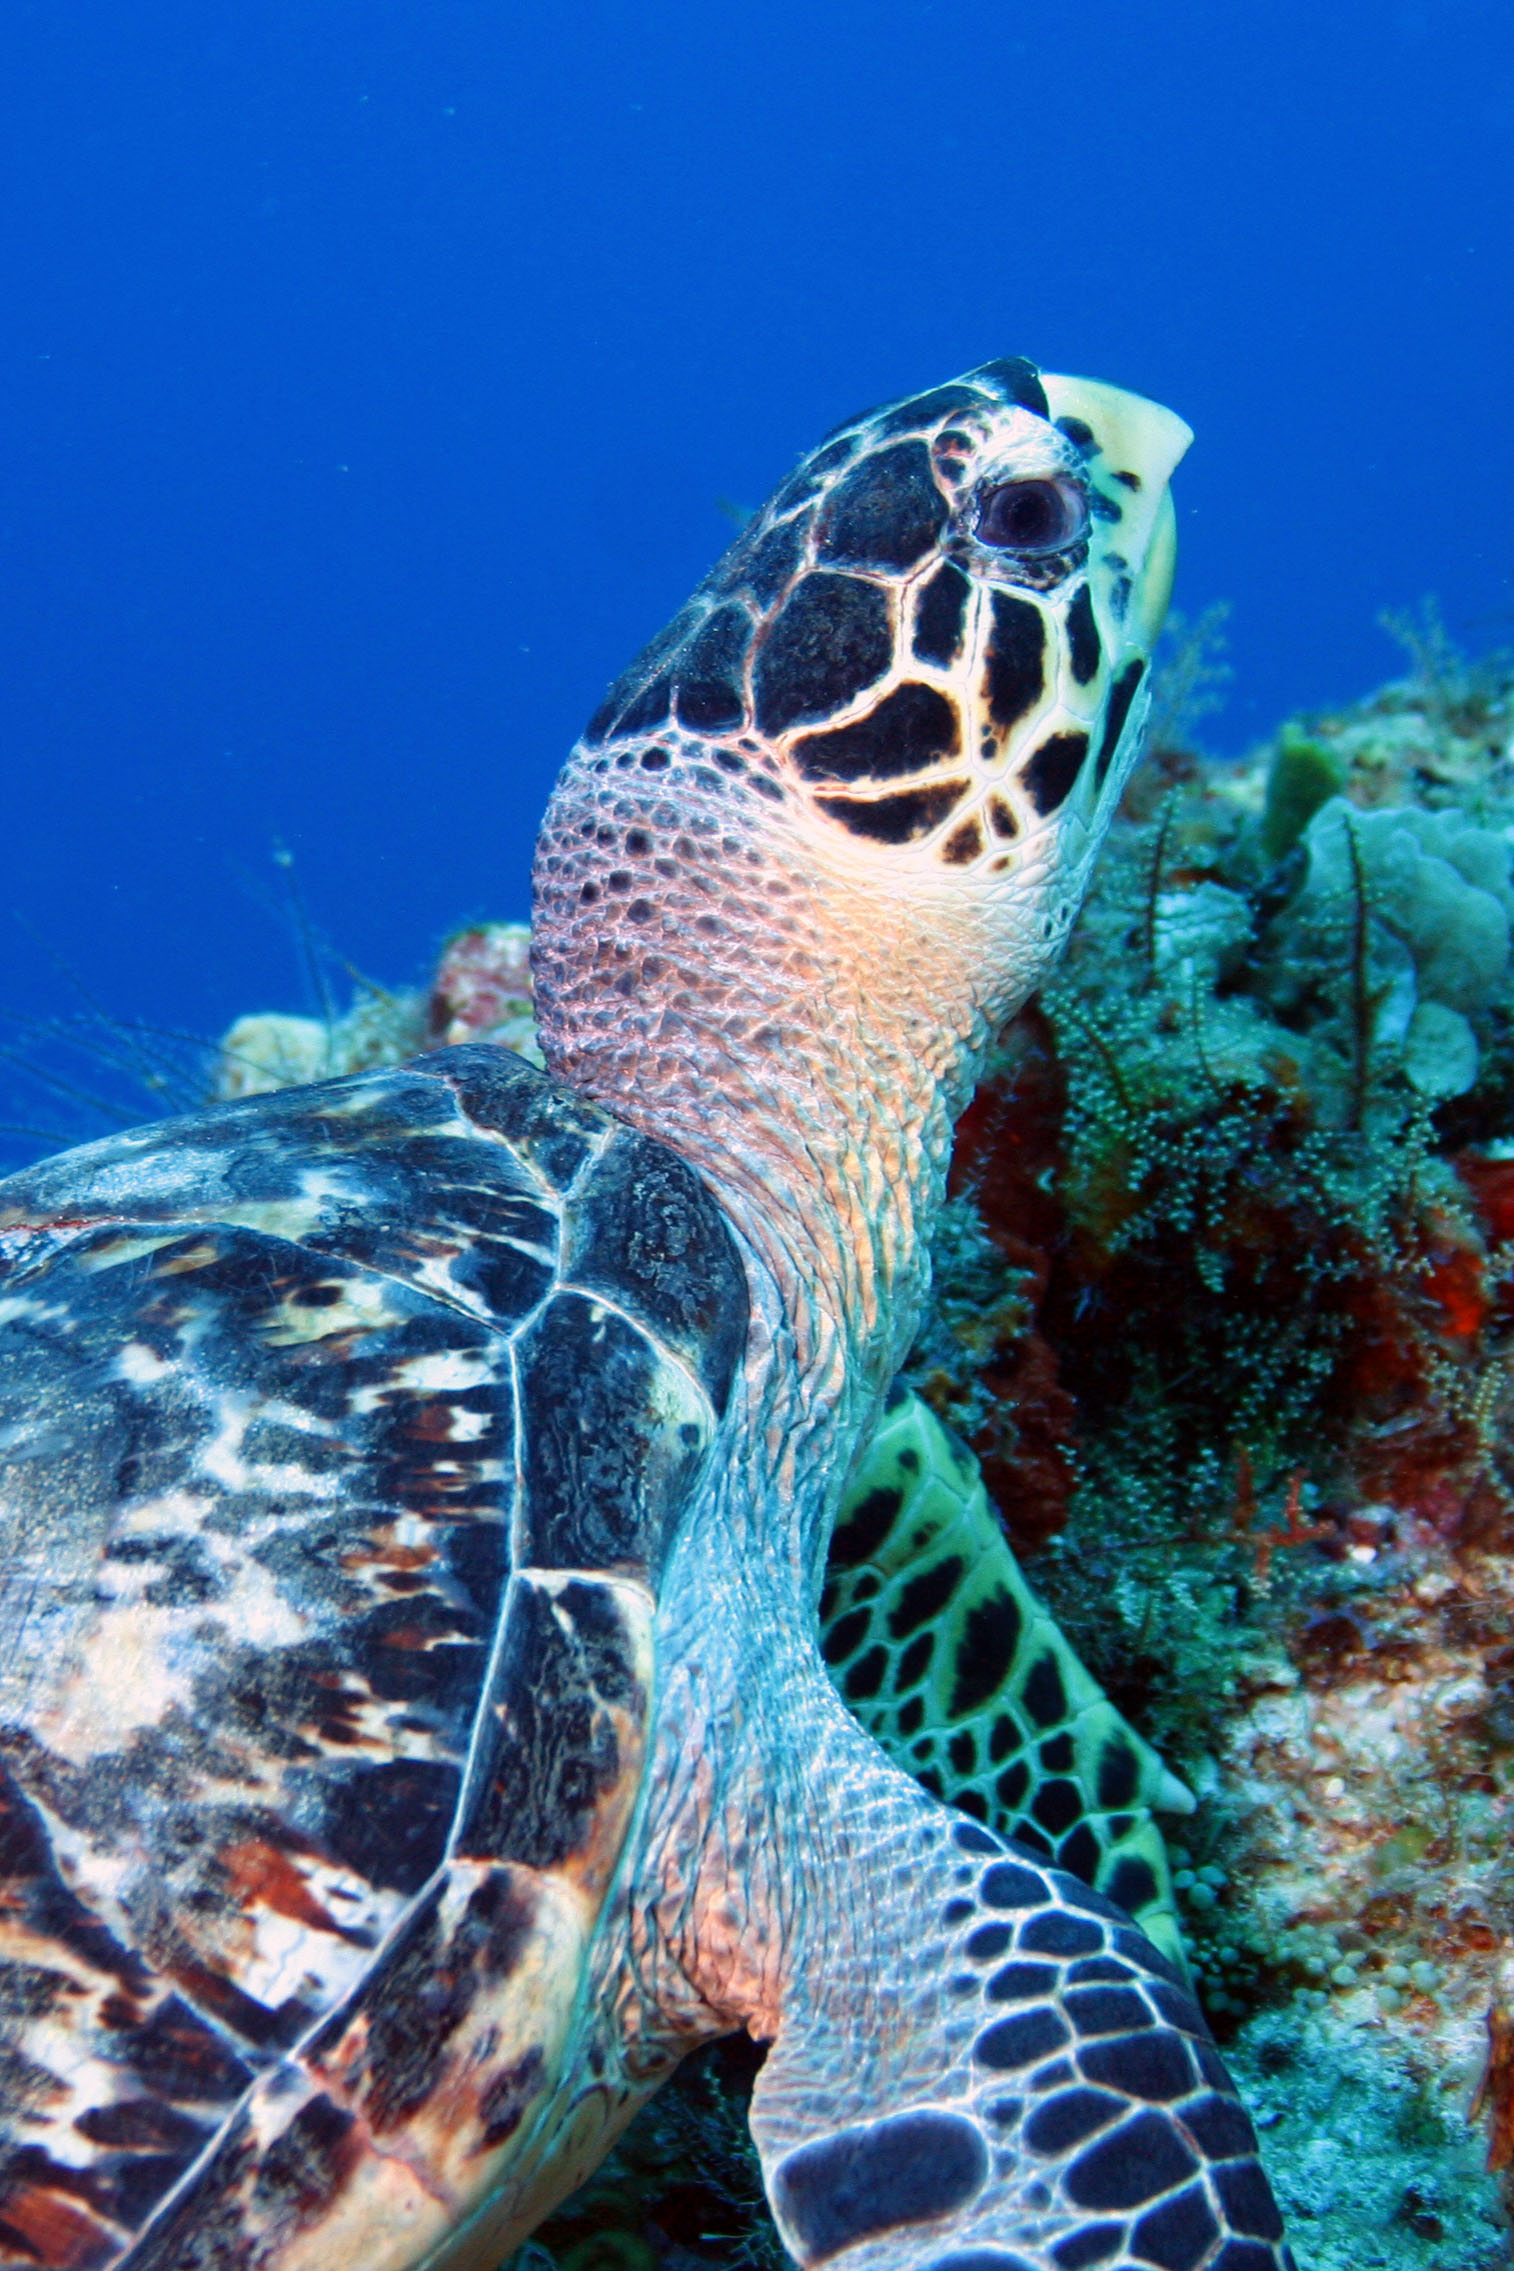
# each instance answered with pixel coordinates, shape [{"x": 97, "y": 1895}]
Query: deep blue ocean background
[{"x": 372, "y": 374}]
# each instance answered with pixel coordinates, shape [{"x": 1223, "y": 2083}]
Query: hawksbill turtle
[{"x": 416, "y": 1490}]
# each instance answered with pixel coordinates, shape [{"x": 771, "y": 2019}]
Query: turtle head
[
  {"x": 919, "y": 677},
  {"x": 833, "y": 826}
]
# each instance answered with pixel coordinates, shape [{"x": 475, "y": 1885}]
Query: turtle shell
[{"x": 343, "y": 1435}]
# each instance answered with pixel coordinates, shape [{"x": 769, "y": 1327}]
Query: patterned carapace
[{"x": 305, "y": 1803}]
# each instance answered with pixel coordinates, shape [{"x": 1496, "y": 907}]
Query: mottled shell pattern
[{"x": 348, "y": 1428}]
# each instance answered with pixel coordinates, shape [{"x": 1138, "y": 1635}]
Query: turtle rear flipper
[{"x": 938, "y": 1645}]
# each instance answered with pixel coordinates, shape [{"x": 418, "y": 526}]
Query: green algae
[{"x": 1303, "y": 775}]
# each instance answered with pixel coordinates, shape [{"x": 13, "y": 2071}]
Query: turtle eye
[{"x": 1033, "y": 516}]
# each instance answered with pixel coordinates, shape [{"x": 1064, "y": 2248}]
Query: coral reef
[
  {"x": 1277, "y": 1288},
  {"x": 481, "y": 991},
  {"x": 1225, "y": 1307}
]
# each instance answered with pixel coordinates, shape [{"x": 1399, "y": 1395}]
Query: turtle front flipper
[
  {"x": 981, "y": 2065},
  {"x": 944, "y": 1653}
]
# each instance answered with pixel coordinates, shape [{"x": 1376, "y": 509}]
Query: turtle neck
[{"x": 803, "y": 1041}]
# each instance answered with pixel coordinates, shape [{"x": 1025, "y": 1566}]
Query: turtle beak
[
  {"x": 1130, "y": 434},
  {"x": 1154, "y": 589},
  {"x": 1136, "y": 447}
]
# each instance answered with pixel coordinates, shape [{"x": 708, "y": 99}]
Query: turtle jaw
[{"x": 1161, "y": 568}]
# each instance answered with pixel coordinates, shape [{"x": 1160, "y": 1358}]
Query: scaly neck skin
[
  {"x": 734, "y": 1917},
  {"x": 808, "y": 1053}
]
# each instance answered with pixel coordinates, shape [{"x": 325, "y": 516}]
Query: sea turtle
[{"x": 416, "y": 1489}]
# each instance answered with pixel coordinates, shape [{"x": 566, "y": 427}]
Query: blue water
[{"x": 372, "y": 373}]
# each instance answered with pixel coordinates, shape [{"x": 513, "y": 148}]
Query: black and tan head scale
[{"x": 909, "y": 639}]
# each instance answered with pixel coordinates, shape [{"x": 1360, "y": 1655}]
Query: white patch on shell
[
  {"x": 253, "y": 1608},
  {"x": 289, "y": 1956},
  {"x": 87, "y": 1716},
  {"x": 221, "y": 1461},
  {"x": 81, "y": 2083},
  {"x": 177, "y": 1513},
  {"x": 140, "y": 1364},
  {"x": 129, "y": 1247},
  {"x": 449, "y": 1372},
  {"x": 156, "y": 1652},
  {"x": 31, "y": 1308},
  {"x": 363, "y": 1304},
  {"x": 434, "y": 1273}
]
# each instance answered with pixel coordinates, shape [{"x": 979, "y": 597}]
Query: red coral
[
  {"x": 1495, "y": 2092},
  {"x": 1027, "y": 1469},
  {"x": 1411, "y": 1443},
  {"x": 1008, "y": 1153},
  {"x": 1491, "y": 1183},
  {"x": 482, "y": 978},
  {"x": 1455, "y": 1276},
  {"x": 1292, "y": 1531},
  {"x": 1007, "y": 1159},
  {"x": 1397, "y": 1411}
]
